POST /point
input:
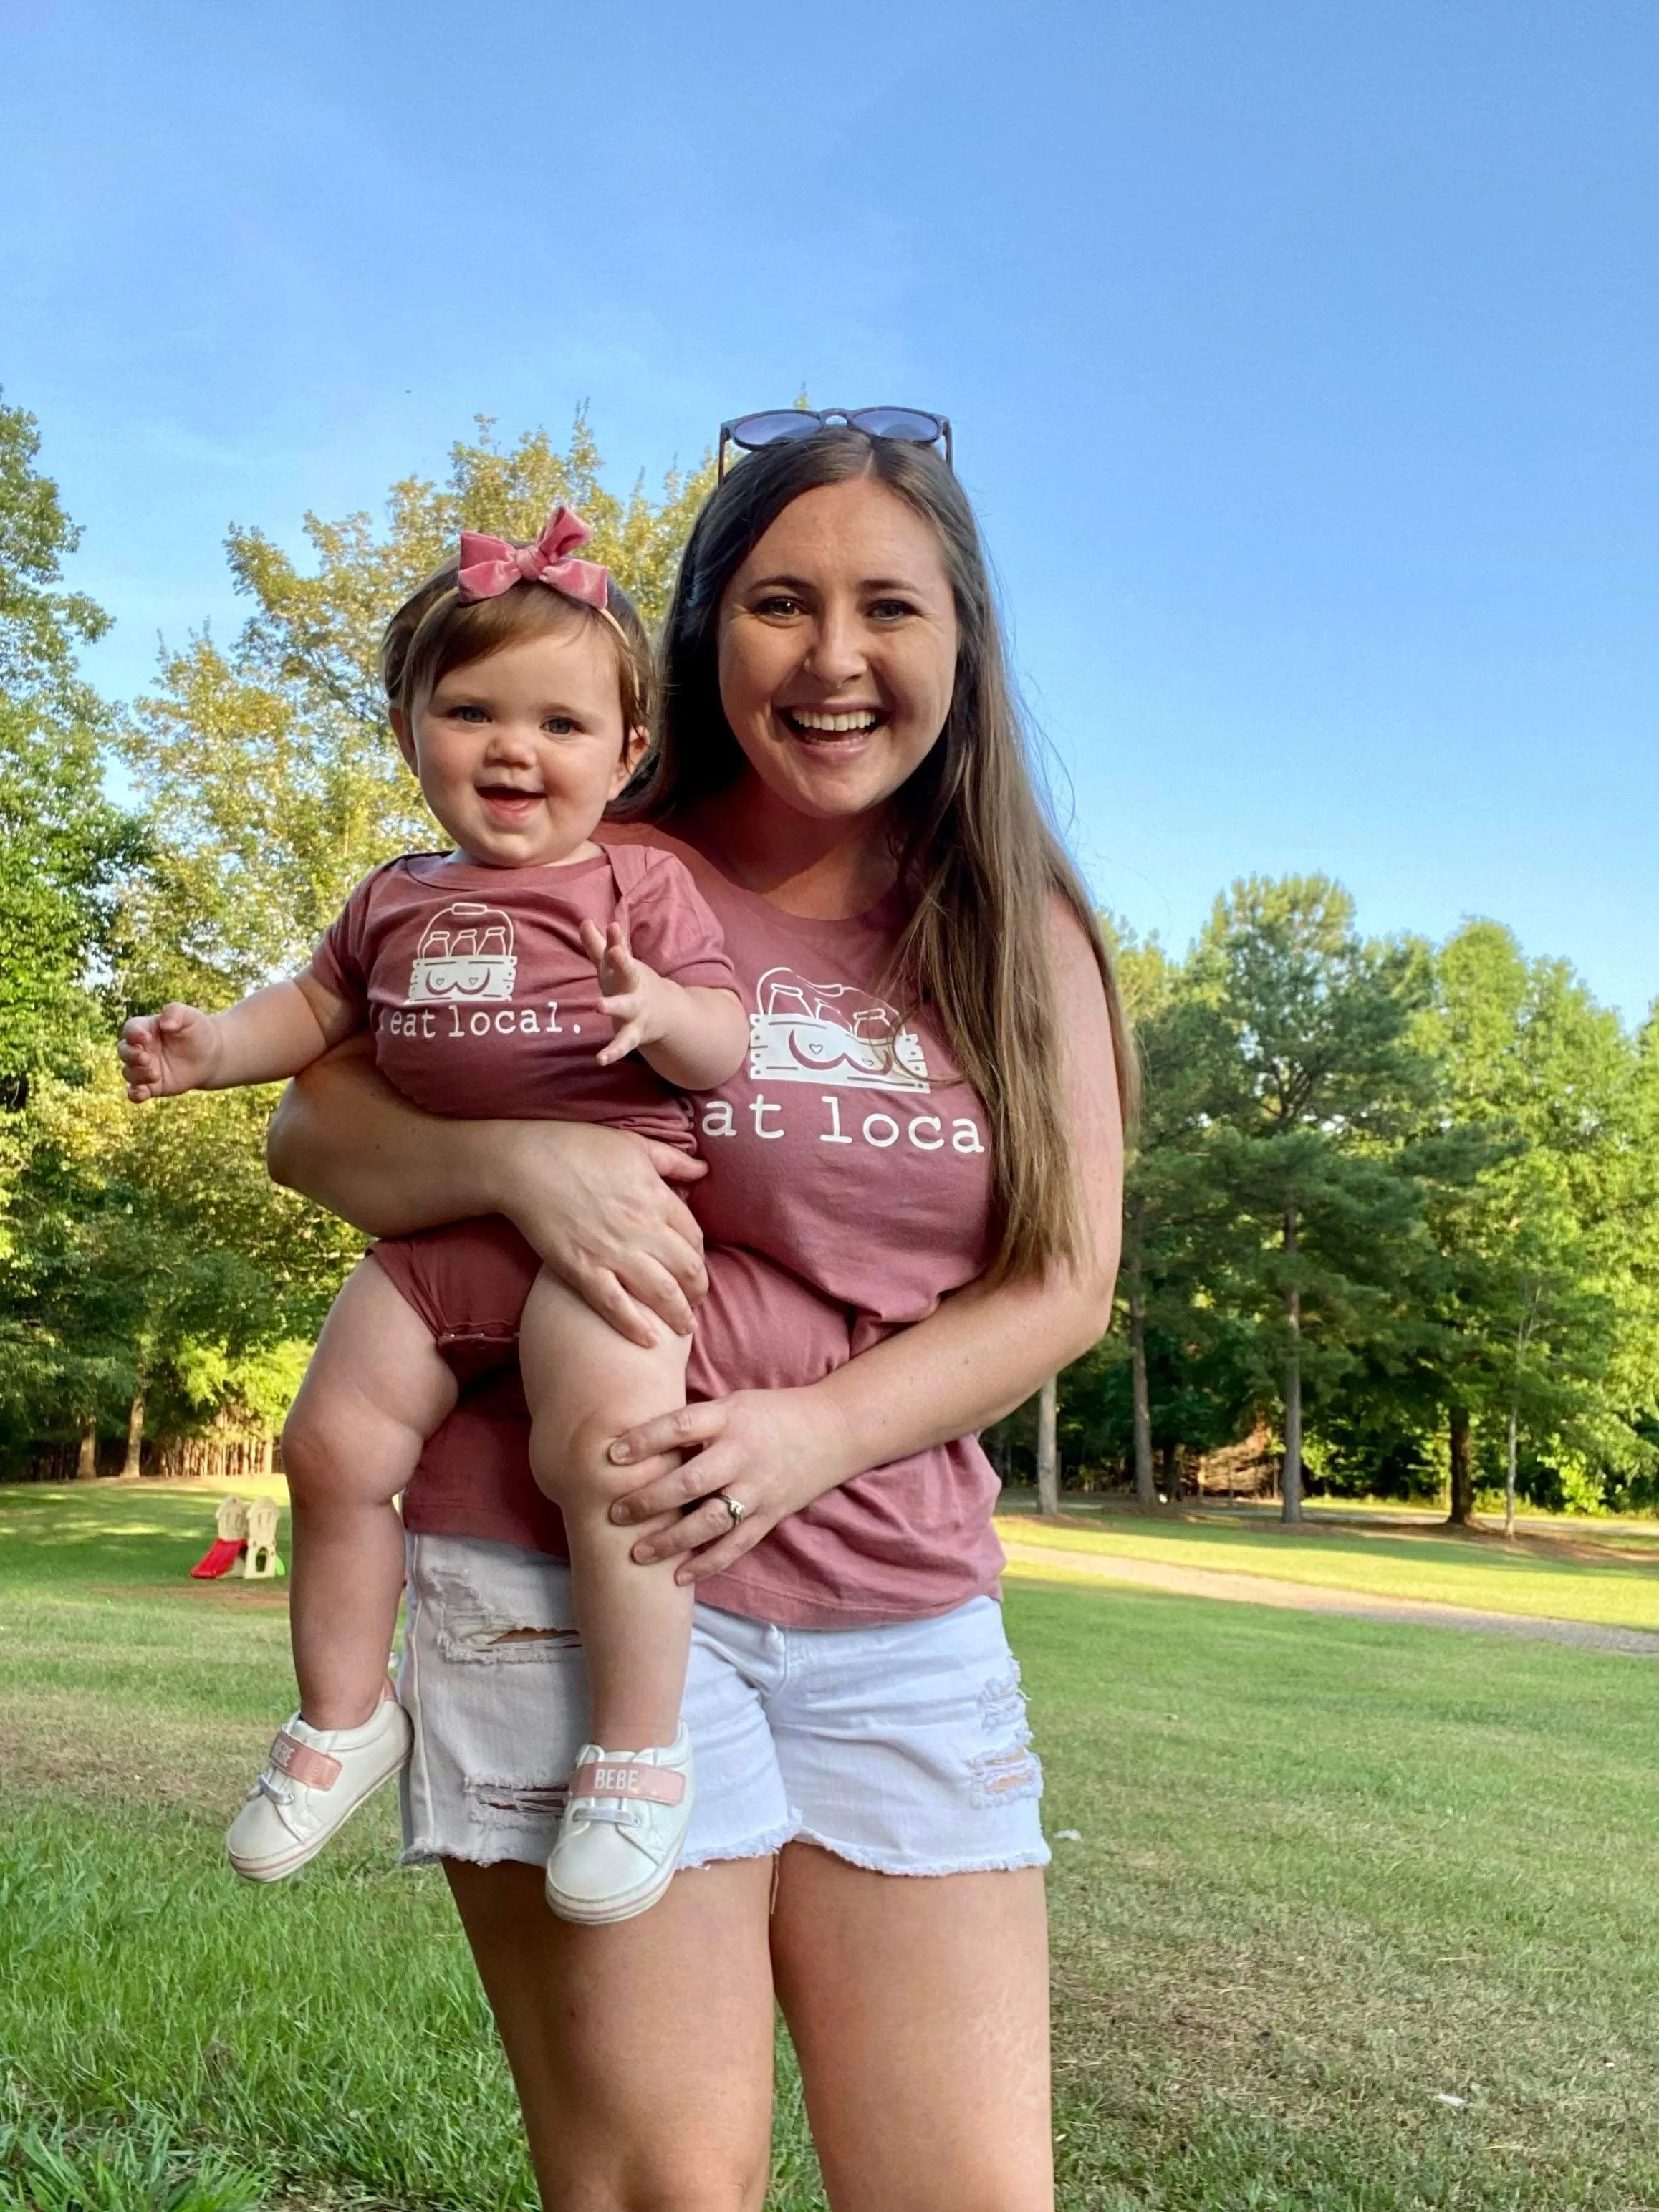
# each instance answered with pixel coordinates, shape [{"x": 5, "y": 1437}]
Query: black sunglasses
[{"x": 910, "y": 426}]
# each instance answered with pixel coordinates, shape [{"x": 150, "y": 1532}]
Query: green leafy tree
[
  {"x": 1181, "y": 1243},
  {"x": 61, "y": 843},
  {"x": 1543, "y": 1300},
  {"x": 1322, "y": 1079}
]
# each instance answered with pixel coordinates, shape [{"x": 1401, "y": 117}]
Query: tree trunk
[
  {"x": 1508, "y": 1473},
  {"x": 1291, "y": 1483},
  {"x": 1145, "y": 1480},
  {"x": 1048, "y": 1447},
  {"x": 134, "y": 1436},
  {"x": 86, "y": 1469},
  {"x": 1460, "y": 1510}
]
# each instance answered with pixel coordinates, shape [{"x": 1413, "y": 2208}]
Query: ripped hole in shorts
[
  {"x": 1002, "y": 1703},
  {"x": 513, "y": 1804},
  {"x": 999, "y": 1777},
  {"x": 470, "y": 1631},
  {"x": 480, "y": 1637}
]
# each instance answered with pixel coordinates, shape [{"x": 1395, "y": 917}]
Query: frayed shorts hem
[{"x": 878, "y": 1863}]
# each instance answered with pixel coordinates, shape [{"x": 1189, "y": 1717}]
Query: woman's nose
[{"x": 838, "y": 653}]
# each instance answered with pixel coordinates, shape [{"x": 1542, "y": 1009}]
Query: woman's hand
[
  {"x": 773, "y": 1451},
  {"x": 601, "y": 1208},
  {"x": 598, "y": 1205}
]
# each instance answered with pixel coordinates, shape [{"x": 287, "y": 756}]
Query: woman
[{"x": 901, "y": 1256}]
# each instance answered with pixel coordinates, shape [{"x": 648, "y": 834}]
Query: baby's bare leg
[
  {"x": 374, "y": 1392},
  {"x": 585, "y": 1384}
]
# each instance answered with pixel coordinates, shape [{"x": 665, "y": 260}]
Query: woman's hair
[
  {"x": 435, "y": 630},
  {"x": 977, "y": 854}
]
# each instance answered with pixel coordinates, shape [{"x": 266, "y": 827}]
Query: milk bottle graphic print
[
  {"x": 465, "y": 952},
  {"x": 807, "y": 1032}
]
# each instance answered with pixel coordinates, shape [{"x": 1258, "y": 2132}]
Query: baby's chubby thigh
[
  {"x": 585, "y": 1384},
  {"x": 376, "y": 1389}
]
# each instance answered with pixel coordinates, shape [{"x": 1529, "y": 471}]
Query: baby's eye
[
  {"x": 462, "y": 712},
  {"x": 559, "y": 726}
]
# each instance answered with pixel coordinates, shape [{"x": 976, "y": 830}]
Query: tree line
[{"x": 1393, "y": 1208}]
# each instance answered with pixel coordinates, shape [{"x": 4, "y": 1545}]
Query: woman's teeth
[{"x": 862, "y": 719}]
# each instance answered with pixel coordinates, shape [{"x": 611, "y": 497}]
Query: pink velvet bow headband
[{"x": 490, "y": 566}]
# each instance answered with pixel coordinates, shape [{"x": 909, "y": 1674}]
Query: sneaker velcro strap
[
  {"x": 657, "y": 1785},
  {"x": 301, "y": 1764}
]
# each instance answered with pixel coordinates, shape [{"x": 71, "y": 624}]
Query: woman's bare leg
[
  {"x": 919, "y": 2006},
  {"x": 375, "y": 1390},
  {"x": 585, "y": 1384},
  {"x": 641, "y": 2053}
]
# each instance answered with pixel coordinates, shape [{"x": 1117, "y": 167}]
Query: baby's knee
[
  {"x": 573, "y": 1465},
  {"x": 324, "y": 1463}
]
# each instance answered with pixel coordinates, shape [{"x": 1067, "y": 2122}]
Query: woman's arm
[
  {"x": 598, "y": 1204},
  {"x": 981, "y": 1355}
]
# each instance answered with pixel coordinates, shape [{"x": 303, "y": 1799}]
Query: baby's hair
[{"x": 435, "y": 630}]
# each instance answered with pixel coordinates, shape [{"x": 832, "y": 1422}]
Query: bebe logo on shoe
[
  {"x": 301, "y": 1764},
  {"x": 657, "y": 1785}
]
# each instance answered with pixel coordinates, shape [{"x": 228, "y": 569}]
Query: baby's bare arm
[
  {"x": 703, "y": 1039},
  {"x": 275, "y": 1032}
]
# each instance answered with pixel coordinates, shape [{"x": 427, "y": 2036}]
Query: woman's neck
[{"x": 823, "y": 869}]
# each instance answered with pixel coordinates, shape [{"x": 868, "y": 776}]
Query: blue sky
[{"x": 1301, "y": 356}]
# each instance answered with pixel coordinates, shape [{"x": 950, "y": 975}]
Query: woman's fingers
[
  {"x": 653, "y": 1284},
  {"x": 715, "y": 1559},
  {"x": 687, "y": 1429},
  {"x": 711, "y": 1538},
  {"x": 629, "y": 1316},
  {"x": 675, "y": 1166}
]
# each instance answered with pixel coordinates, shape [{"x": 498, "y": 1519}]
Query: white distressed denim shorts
[{"x": 904, "y": 1749}]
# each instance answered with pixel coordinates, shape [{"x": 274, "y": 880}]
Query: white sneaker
[
  {"x": 313, "y": 1781},
  {"x": 624, "y": 1824}
]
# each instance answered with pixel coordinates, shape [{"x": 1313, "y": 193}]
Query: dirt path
[{"x": 1304, "y": 1597}]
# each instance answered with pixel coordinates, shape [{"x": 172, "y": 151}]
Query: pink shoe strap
[
  {"x": 657, "y": 1785},
  {"x": 301, "y": 1764}
]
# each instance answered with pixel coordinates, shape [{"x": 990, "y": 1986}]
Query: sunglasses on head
[{"x": 910, "y": 426}]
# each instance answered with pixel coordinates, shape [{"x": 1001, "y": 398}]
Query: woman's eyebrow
[{"x": 805, "y": 584}]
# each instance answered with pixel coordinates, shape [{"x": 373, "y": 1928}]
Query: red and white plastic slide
[{"x": 219, "y": 1559}]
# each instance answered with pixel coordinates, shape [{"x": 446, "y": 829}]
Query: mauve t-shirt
[
  {"x": 849, "y": 1191},
  {"x": 482, "y": 1004}
]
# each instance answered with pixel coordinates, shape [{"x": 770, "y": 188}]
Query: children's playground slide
[{"x": 219, "y": 1559}]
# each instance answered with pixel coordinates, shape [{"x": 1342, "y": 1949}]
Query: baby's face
[{"x": 519, "y": 755}]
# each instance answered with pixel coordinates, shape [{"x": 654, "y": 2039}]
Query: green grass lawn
[
  {"x": 1331, "y": 1874},
  {"x": 1571, "y": 1572}
]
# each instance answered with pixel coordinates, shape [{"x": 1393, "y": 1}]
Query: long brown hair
[{"x": 977, "y": 856}]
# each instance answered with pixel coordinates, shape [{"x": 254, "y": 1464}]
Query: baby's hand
[
  {"x": 164, "y": 1053},
  {"x": 629, "y": 992}
]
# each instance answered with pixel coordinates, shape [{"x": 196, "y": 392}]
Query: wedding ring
[{"x": 734, "y": 1506}]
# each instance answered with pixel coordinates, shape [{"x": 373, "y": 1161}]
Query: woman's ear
[
  {"x": 403, "y": 734},
  {"x": 636, "y": 744}
]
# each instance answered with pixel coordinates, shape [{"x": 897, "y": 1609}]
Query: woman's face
[{"x": 838, "y": 649}]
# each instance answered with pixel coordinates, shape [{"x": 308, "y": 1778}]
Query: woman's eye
[
  {"x": 890, "y": 609},
  {"x": 778, "y": 604}
]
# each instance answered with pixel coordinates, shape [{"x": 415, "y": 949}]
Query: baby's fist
[{"x": 167, "y": 1052}]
